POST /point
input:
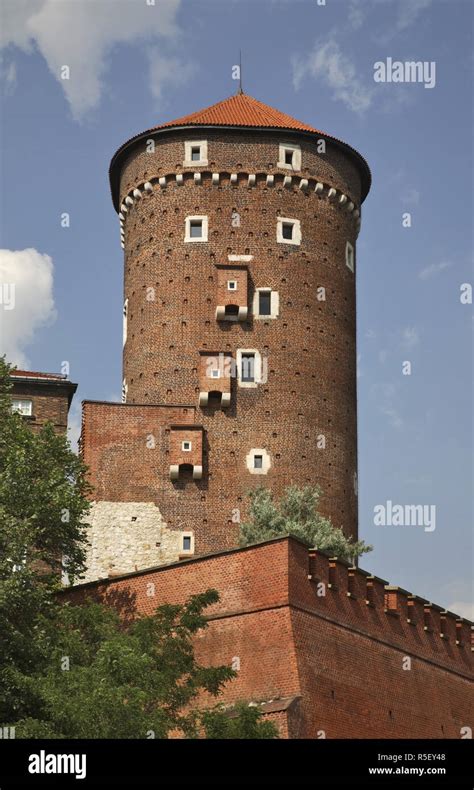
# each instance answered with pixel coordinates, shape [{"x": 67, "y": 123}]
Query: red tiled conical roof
[{"x": 241, "y": 111}]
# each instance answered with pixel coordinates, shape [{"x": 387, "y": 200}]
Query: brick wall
[
  {"x": 49, "y": 405},
  {"x": 304, "y": 411},
  {"x": 330, "y": 662}
]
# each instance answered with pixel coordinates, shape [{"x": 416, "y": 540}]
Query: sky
[{"x": 134, "y": 64}]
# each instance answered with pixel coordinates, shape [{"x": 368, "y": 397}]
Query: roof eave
[{"x": 366, "y": 176}]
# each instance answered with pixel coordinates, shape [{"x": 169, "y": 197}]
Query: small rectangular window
[
  {"x": 350, "y": 256},
  {"x": 288, "y": 157},
  {"x": 247, "y": 368},
  {"x": 186, "y": 542},
  {"x": 196, "y": 153},
  {"x": 186, "y": 447},
  {"x": 287, "y": 230},
  {"x": 23, "y": 407},
  {"x": 258, "y": 462},
  {"x": 231, "y": 285},
  {"x": 215, "y": 373},
  {"x": 264, "y": 302},
  {"x": 195, "y": 228}
]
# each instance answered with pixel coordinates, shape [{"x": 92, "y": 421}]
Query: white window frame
[
  {"x": 233, "y": 283},
  {"x": 215, "y": 371},
  {"x": 296, "y": 240},
  {"x": 125, "y": 321},
  {"x": 257, "y": 368},
  {"x": 274, "y": 304},
  {"x": 191, "y": 549},
  {"x": 205, "y": 228},
  {"x": 296, "y": 151},
  {"x": 266, "y": 461},
  {"x": 186, "y": 449},
  {"x": 19, "y": 408},
  {"x": 188, "y": 156},
  {"x": 350, "y": 256}
]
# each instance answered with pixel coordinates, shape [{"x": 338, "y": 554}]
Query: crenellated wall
[{"x": 328, "y": 650}]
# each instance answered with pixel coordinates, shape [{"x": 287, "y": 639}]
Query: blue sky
[{"x": 134, "y": 65}]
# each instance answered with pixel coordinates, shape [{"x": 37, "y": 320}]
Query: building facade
[
  {"x": 42, "y": 398},
  {"x": 239, "y": 228}
]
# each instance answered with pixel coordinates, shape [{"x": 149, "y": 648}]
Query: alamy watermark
[
  {"x": 390, "y": 515},
  {"x": 390, "y": 70}
]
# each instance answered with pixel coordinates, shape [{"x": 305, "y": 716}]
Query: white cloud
[
  {"x": 434, "y": 268},
  {"x": 81, "y": 35},
  {"x": 28, "y": 276},
  {"x": 327, "y": 63},
  {"x": 410, "y": 337},
  {"x": 408, "y": 13},
  {"x": 166, "y": 71}
]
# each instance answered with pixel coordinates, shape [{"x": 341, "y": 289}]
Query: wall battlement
[{"x": 332, "y": 665}]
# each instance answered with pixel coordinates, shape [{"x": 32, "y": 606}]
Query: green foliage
[
  {"x": 79, "y": 671},
  {"x": 110, "y": 680},
  {"x": 245, "y": 722},
  {"x": 43, "y": 504},
  {"x": 296, "y": 514}
]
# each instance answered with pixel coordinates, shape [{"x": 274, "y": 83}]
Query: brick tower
[{"x": 239, "y": 226}]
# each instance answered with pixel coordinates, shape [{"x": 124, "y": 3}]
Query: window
[
  {"x": 215, "y": 373},
  {"x": 289, "y": 156},
  {"x": 186, "y": 447},
  {"x": 23, "y": 407},
  {"x": 350, "y": 256},
  {"x": 187, "y": 543},
  {"x": 288, "y": 231},
  {"x": 195, "y": 153},
  {"x": 124, "y": 391},
  {"x": 124, "y": 327},
  {"x": 196, "y": 229},
  {"x": 247, "y": 368},
  {"x": 231, "y": 285},
  {"x": 264, "y": 302},
  {"x": 258, "y": 461}
]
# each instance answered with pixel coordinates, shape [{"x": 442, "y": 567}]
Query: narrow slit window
[
  {"x": 187, "y": 543},
  {"x": 247, "y": 368},
  {"x": 264, "y": 303}
]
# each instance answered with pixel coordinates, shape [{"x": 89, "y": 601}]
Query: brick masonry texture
[
  {"x": 337, "y": 658},
  {"x": 309, "y": 350},
  {"x": 49, "y": 405}
]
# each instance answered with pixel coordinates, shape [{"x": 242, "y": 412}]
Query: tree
[
  {"x": 78, "y": 670},
  {"x": 43, "y": 506},
  {"x": 296, "y": 514},
  {"x": 141, "y": 680}
]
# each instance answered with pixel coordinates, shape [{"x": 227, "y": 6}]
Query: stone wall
[{"x": 129, "y": 536}]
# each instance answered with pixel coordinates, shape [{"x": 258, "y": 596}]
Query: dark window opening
[
  {"x": 232, "y": 310},
  {"x": 186, "y": 543},
  {"x": 288, "y": 157},
  {"x": 186, "y": 471},
  {"x": 287, "y": 230},
  {"x": 264, "y": 303},
  {"x": 258, "y": 462},
  {"x": 195, "y": 153}
]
